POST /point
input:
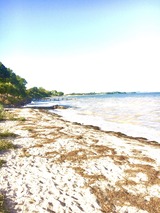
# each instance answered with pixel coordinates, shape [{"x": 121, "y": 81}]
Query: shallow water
[{"x": 134, "y": 114}]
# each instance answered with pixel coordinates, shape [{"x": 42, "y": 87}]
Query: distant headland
[{"x": 100, "y": 93}]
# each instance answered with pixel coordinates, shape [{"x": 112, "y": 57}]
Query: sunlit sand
[{"x": 60, "y": 166}]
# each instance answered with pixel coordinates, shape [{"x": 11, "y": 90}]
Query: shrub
[
  {"x": 7, "y": 134},
  {"x": 4, "y": 145},
  {"x": 2, "y": 113}
]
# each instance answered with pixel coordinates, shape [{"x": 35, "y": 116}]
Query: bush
[
  {"x": 2, "y": 113},
  {"x": 4, "y": 145},
  {"x": 7, "y": 134}
]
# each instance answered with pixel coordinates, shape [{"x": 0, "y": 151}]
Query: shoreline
[
  {"x": 62, "y": 166},
  {"x": 115, "y": 133}
]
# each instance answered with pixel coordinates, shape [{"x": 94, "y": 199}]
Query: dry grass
[
  {"x": 152, "y": 174},
  {"x": 28, "y": 128},
  {"x": 78, "y": 137},
  {"x": 103, "y": 150},
  {"x": 38, "y": 145},
  {"x": 146, "y": 159},
  {"x": 142, "y": 141},
  {"x": 92, "y": 127},
  {"x": 52, "y": 153},
  {"x": 105, "y": 201},
  {"x": 75, "y": 156},
  {"x": 25, "y": 153},
  {"x": 137, "y": 152},
  {"x": 113, "y": 200},
  {"x": 49, "y": 140},
  {"x": 125, "y": 182},
  {"x": 90, "y": 178}
]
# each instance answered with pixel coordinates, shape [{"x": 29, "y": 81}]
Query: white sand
[{"x": 64, "y": 167}]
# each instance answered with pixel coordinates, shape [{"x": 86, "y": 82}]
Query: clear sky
[{"x": 82, "y": 45}]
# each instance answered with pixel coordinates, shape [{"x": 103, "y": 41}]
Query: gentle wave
[{"x": 136, "y": 115}]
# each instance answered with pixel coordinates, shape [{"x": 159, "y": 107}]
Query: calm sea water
[{"x": 135, "y": 114}]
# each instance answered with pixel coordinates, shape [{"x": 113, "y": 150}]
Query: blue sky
[{"x": 82, "y": 46}]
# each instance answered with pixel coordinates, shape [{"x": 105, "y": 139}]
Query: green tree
[
  {"x": 55, "y": 93},
  {"x": 4, "y": 73},
  {"x": 38, "y": 93},
  {"x": 13, "y": 88},
  {"x": 19, "y": 82}
]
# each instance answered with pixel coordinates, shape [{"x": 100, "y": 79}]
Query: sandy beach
[{"x": 63, "y": 167}]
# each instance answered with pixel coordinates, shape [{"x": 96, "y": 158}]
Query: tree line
[{"x": 13, "y": 89}]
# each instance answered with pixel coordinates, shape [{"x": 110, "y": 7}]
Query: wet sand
[{"x": 64, "y": 167}]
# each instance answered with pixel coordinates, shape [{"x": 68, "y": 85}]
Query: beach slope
[{"x": 59, "y": 166}]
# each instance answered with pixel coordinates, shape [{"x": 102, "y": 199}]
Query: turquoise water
[{"x": 135, "y": 114}]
